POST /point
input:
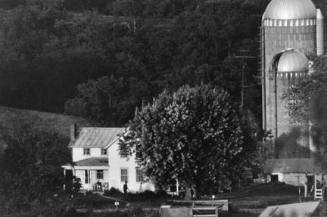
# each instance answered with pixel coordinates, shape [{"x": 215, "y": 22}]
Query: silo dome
[
  {"x": 292, "y": 61},
  {"x": 290, "y": 9}
]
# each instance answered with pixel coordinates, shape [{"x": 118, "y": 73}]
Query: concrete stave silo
[{"x": 291, "y": 31}]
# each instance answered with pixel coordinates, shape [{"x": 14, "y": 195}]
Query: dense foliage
[
  {"x": 194, "y": 135},
  {"x": 49, "y": 47},
  {"x": 31, "y": 172},
  {"x": 138, "y": 196},
  {"x": 122, "y": 57}
]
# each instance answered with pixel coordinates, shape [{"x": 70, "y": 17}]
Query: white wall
[
  {"x": 295, "y": 179},
  {"x": 77, "y": 153},
  {"x": 116, "y": 163},
  {"x": 113, "y": 175}
]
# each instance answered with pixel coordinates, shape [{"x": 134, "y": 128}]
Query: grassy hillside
[{"x": 11, "y": 118}]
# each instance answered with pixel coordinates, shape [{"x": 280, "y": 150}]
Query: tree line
[{"x": 101, "y": 65}]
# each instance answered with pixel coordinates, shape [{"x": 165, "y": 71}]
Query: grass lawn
[
  {"x": 263, "y": 195},
  {"x": 95, "y": 201},
  {"x": 257, "y": 190},
  {"x": 247, "y": 202},
  {"x": 153, "y": 203},
  {"x": 255, "y": 199},
  {"x": 238, "y": 215}
]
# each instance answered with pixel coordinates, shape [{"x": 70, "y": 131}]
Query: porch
[{"x": 93, "y": 173}]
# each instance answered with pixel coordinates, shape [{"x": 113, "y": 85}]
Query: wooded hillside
[
  {"x": 11, "y": 119},
  {"x": 100, "y": 59}
]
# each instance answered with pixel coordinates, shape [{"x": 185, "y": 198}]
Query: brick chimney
[{"x": 73, "y": 132}]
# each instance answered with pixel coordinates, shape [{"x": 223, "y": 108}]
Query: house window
[
  {"x": 139, "y": 175},
  {"x": 124, "y": 175},
  {"x": 103, "y": 151},
  {"x": 123, "y": 151},
  {"x": 86, "y": 151},
  {"x": 86, "y": 177},
  {"x": 99, "y": 174}
]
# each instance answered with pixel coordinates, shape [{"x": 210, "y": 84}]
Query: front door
[{"x": 87, "y": 176}]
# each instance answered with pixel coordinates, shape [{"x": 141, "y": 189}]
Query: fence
[
  {"x": 194, "y": 208},
  {"x": 206, "y": 208}
]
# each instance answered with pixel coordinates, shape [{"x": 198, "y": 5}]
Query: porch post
[
  {"x": 90, "y": 177},
  {"x": 64, "y": 185},
  {"x": 177, "y": 187}
]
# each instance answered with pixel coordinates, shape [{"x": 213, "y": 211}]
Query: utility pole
[
  {"x": 134, "y": 14},
  {"x": 243, "y": 62}
]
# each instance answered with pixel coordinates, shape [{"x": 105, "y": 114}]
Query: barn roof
[
  {"x": 96, "y": 137},
  {"x": 291, "y": 165}
]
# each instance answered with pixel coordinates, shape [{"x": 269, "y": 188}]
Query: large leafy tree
[{"x": 194, "y": 135}]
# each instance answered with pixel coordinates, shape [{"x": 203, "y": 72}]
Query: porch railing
[
  {"x": 318, "y": 194},
  {"x": 101, "y": 186}
]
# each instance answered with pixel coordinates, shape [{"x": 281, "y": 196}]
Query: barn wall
[{"x": 295, "y": 179}]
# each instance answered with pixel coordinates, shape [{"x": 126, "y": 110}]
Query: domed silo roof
[
  {"x": 292, "y": 61},
  {"x": 290, "y": 9}
]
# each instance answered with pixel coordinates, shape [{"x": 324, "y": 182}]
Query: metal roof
[
  {"x": 291, "y": 165},
  {"x": 96, "y": 137},
  {"x": 290, "y": 9},
  {"x": 93, "y": 161},
  {"x": 292, "y": 61}
]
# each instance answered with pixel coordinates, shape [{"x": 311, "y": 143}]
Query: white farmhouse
[{"x": 98, "y": 163}]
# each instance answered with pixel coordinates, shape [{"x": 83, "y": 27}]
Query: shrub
[
  {"x": 162, "y": 194},
  {"x": 76, "y": 185},
  {"x": 93, "y": 201},
  {"x": 137, "y": 212},
  {"x": 148, "y": 195},
  {"x": 140, "y": 196},
  {"x": 71, "y": 212},
  {"x": 113, "y": 192}
]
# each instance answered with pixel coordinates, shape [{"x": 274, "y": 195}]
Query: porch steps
[{"x": 318, "y": 194}]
